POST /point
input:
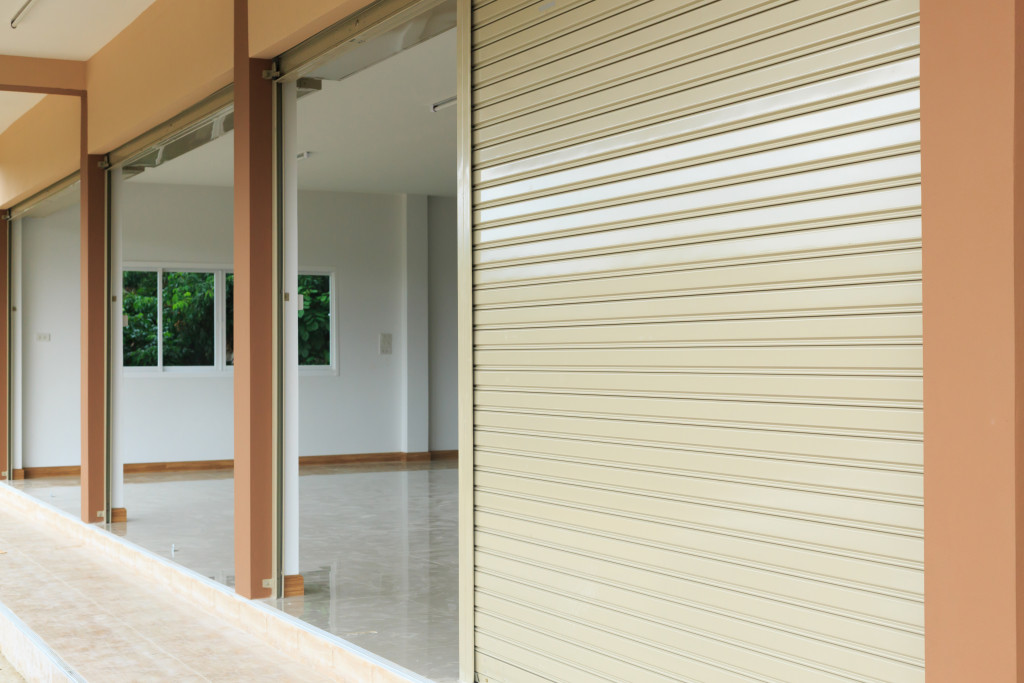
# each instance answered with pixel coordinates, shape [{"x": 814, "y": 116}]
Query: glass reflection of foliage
[
  {"x": 140, "y": 310},
  {"x": 188, "y": 318},
  {"x": 315, "y": 320},
  {"x": 229, "y": 307}
]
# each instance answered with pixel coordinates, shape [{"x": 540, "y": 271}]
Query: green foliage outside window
[
  {"x": 315, "y": 320},
  {"x": 229, "y": 307},
  {"x": 188, "y": 319},
  {"x": 140, "y": 310}
]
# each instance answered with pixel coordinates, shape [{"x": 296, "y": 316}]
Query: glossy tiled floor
[
  {"x": 112, "y": 624},
  {"x": 379, "y": 554},
  {"x": 379, "y": 549}
]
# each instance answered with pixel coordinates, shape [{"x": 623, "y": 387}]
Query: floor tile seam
[
  {"x": 31, "y": 556},
  {"x": 134, "y": 542},
  {"x": 121, "y": 651},
  {"x": 32, "y": 650},
  {"x": 84, "y": 597},
  {"x": 100, "y": 607},
  {"x": 206, "y": 610},
  {"x": 37, "y": 569},
  {"x": 170, "y": 655}
]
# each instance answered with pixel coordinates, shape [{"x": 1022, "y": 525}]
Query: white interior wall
[
  {"x": 362, "y": 239},
  {"x": 51, "y": 369},
  {"x": 358, "y": 237},
  {"x": 444, "y": 324},
  {"x": 172, "y": 417}
]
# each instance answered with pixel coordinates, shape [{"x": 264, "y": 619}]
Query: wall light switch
[
  {"x": 42, "y": 336},
  {"x": 385, "y": 343}
]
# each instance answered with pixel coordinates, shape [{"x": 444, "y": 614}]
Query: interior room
[
  {"x": 171, "y": 388},
  {"x": 374, "y": 155},
  {"x": 373, "y": 432}
]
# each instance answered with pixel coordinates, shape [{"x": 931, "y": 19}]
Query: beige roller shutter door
[{"x": 697, "y": 341}]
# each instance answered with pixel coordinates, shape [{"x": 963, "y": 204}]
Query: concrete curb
[{"x": 29, "y": 654}]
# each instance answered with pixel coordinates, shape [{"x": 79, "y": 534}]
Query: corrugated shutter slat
[{"x": 697, "y": 341}]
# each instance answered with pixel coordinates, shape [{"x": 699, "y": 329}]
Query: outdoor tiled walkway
[{"x": 112, "y": 624}]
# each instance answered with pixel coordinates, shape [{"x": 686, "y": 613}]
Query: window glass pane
[
  {"x": 315, "y": 320},
  {"x": 140, "y": 312},
  {"x": 229, "y": 306},
  {"x": 188, "y": 319}
]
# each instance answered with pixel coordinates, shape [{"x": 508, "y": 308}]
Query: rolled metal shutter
[{"x": 697, "y": 341}]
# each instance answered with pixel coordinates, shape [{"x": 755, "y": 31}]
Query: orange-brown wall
[
  {"x": 40, "y": 148},
  {"x": 179, "y": 51},
  {"x": 973, "y": 305},
  {"x": 174, "y": 54},
  {"x": 273, "y": 29}
]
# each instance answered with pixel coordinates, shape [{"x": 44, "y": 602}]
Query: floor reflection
[
  {"x": 379, "y": 555},
  {"x": 378, "y": 552},
  {"x": 63, "y": 493}
]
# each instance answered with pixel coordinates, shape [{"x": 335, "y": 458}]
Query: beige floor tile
[
  {"x": 111, "y": 624},
  {"x": 378, "y": 549}
]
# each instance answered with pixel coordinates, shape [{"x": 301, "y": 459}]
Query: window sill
[
  {"x": 318, "y": 371},
  {"x": 181, "y": 373}
]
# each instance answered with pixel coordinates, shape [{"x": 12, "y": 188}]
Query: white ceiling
[
  {"x": 14, "y": 104},
  {"x": 375, "y": 132},
  {"x": 371, "y": 132},
  {"x": 65, "y": 29}
]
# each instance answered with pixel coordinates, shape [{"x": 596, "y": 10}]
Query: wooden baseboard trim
[
  {"x": 118, "y": 515},
  {"x": 423, "y": 456},
  {"x": 211, "y": 465},
  {"x": 178, "y": 466},
  {"x": 370, "y": 458},
  {"x": 350, "y": 458},
  {"x": 294, "y": 585},
  {"x": 38, "y": 472},
  {"x": 444, "y": 455}
]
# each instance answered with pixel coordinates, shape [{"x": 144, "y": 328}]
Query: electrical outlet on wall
[
  {"x": 385, "y": 344},
  {"x": 42, "y": 336}
]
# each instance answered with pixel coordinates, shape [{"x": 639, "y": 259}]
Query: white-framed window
[
  {"x": 181, "y": 319},
  {"x": 173, "y": 319}
]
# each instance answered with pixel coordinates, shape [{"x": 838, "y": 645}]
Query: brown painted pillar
[
  {"x": 973, "y": 338},
  {"x": 94, "y": 329},
  {"x": 254, "y": 317},
  {"x": 5, "y": 346}
]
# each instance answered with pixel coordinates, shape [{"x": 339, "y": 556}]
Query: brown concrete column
[
  {"x": 94, "y": 329},
  {"x": 973, "y": 339},
  {"x": 254, "y": 321},
  {"x": 5, "y": 346}
]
